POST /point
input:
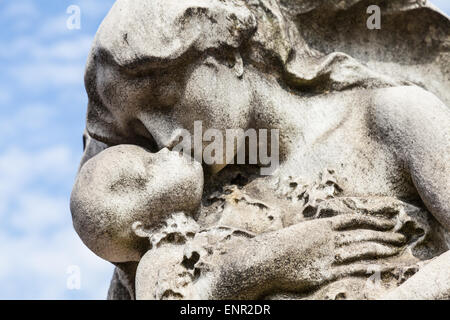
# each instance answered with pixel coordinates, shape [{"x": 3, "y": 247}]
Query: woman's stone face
[
  {"x": 215, "y": 95},
  {"x": 211, "y": 92}
]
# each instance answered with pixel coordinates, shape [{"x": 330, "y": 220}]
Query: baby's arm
[{"x": 125, "y": 184}]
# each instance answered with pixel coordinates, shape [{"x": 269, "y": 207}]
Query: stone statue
[{"x": 359, "y": 205}]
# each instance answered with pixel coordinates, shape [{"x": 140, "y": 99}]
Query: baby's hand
[{"x": 125, "y": 184}]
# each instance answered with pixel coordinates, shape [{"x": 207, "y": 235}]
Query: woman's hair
[
  {"x": 278, "y": 43},
  {"x": 147, "y": 35},
  {"x": 143, "y": 37}
]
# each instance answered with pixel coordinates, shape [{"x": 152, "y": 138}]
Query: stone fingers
[
  {"x": 357, "y": 221},
  {"x": 364, "y": 251},
  {"x": 355, "y": 236},
  {"x": 358, "y": 269}
]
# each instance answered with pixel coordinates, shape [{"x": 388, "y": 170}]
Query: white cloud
[
  {"x": 19, "y": 9},
  {"x": 31, "y": 117},
  {"x": 90, "y": 11},
  {"x": 75, "y": 48},
  {"x": 19, "y": 15},
  {"x": 95, "y": 9},
  {"x": 444, "y": 5},
  {"x": 37, "y": 240},
  {"x": 56, "y": 64},
  {"x": 21, "y": 169},
  {"x": 42, "y": 61},
  {"x": 68, "y": 49},
  {"x": 45, "y": 75},
  {"x": 5, "y": 96},
  {"x": 16, "y": 47},
  {"x": 54, "y": 26},
  {"x": 35, "y": 267},
  {"x": 38, "y": 212}
]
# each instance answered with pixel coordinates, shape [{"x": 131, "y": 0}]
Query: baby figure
[{"x": 124, "y": 185}]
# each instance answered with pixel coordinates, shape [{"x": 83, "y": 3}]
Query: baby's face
[
  {"x": 157, "y": 183},
  {"x": 126, "y": 184}
]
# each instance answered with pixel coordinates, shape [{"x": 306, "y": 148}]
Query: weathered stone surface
[
  {"x": 359, "y": 207},
  {"x": 121, "y": 187}
]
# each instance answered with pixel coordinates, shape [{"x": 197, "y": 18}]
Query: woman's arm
[
  {"x": 432, "y": 282},
  {"x": 415, "y": 125},
  {"x": 298, "y": 258}
]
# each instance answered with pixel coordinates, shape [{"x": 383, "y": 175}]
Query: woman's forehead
[{"x": 159, "y": 31}]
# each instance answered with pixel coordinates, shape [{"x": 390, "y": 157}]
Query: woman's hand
[
  {"x": 295, "y": 259},
  {"x": 303, "y": 256}
]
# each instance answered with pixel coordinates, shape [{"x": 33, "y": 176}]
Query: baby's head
[{"x": 125, "y": 184}]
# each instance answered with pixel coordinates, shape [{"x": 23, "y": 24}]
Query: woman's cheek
[{"x": 217, "y": 97}]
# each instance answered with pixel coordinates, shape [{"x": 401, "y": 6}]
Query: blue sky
[{"x": 42, "y": 114}]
